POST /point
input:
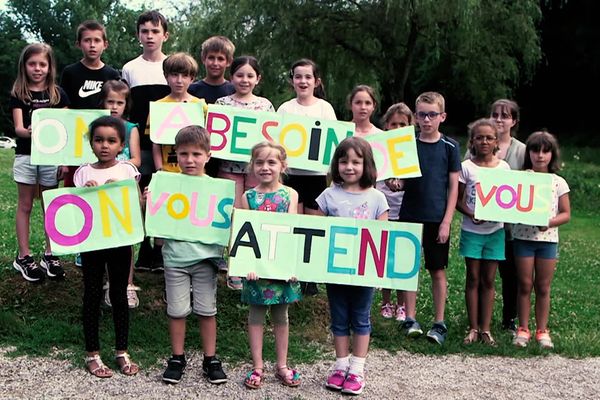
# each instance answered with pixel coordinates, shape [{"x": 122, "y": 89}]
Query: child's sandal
[
  {"x": 254, "y": 379},
  {"x": 486, "y": 337},
  {"x": 101, "y": 370},
  {"x": 126, "y": 367},
  {"x": 471, "y": 337},
  {"x": 289, "y": 377}
]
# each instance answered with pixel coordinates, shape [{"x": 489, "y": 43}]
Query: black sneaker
[
  {"x": 52, "y": 266},
  {"x": 29, "y": 269},
  {"x": 438, "y": 333},
  {"x": 175, "y": 370},
  {"x": 214, "y": 370}
]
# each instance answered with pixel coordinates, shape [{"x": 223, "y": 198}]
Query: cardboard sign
[
  {"x": 326, "y": 249},
  {"x": 513, "y": 196},
  {"x": 60, "y": 136},
  {"x": 93, "y": 218},
  {"x": 166, "y": 119},
  {"x": 395, "y": 153},
  {"x": 190, "y": 208}
]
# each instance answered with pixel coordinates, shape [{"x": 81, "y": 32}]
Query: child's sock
[
  {"x": 357, "y": 365},
  {"x": 342, "y": 363}
]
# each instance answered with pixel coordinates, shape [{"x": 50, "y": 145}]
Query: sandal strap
[{"x": 95, "y": 358}]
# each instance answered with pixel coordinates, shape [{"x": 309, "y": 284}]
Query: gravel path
[{"x": 422, "y": 377}]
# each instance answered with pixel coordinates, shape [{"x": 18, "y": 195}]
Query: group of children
[{"x": 124, "y": 153}]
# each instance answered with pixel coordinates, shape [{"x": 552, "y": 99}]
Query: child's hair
[
  {"x": 152, "y": 16},
  {"x": 544, "y": 141},
  {"x": 239, "y": 62},
  {"x": 362, "y": 148},
  {"x": 361, "y": 88},
  {"x": 432, "y": 98},
  {"x": 108, "y": 121},
  {"x": 218, "y": 44},
  {"x": 20, "y": 88},
  {"x": 180, "y": 63},
  {"x": 510, "y": 107},
  {"x": 303, "y": 62},
  {"x": 282, "y": 155},
  {"x": 119, "y": 87},
  {"x": 193, "y": 135},
  {"x": 474, "y": 127},
  {"x": 91, "y": 25},
  {"x": 399, "y": 108}
]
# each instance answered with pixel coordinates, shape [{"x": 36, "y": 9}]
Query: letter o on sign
[
  {"x": 52, "y": 210},
  {"x": 62, "y": 136}
]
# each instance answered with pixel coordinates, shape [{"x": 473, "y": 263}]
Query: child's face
[
  {"x": 267, "y": 166},
  {"x": 115, "y": 102},
  {"x": 397, "y": 121},
  {"x": 92, "y": 44},
  {"x": 484, "y": 140},
  {"x": 304, "y": 81},
  {"x": 191, "y": 159},
  {"x": 540, "y": 159},
  {"x": 106, "y": 144},
  {"x": 245, "y": 80},
  {"x": 179, "y": 83},
  {"x": 504, "y": 120},
  {"x": 429, "y": 118},
  {"x": 351, "y": 168},
  {"x": 37, "y": 68},
  {"x": 215, "y": 64},
  {"x": 362, "y": 107},
  {"x": 152, "y": 36}
]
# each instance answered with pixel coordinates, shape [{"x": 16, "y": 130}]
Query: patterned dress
[{"x": 268, "y": 291}]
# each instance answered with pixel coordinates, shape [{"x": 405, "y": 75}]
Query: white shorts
[{"x": 24, "y": 172}]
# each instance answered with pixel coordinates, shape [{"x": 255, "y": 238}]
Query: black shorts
[
  {"x": 309, "y": 187},
  {"x": 436, "y": 254}
]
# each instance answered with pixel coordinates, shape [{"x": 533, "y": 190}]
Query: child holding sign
[
  {"x": 536, "y": 246},
  {"x": 352, "y": 195},
  {"x": 267, "y": 163},
  {"x": 481, "y": 242},
  {"x": 107, "y": 136},
  {"x": 34, "y": 88}
]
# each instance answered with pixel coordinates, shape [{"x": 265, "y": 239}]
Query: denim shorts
[
  {"x": 350, "y": 308},
  {"x": 482, "y": 246},
  {"x": 532, "y": 248},
  {"x": 202, "y": 278},
  {"x": 24, "y": 172}
]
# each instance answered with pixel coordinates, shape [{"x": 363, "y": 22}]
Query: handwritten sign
[
  {"x": 167, "y": 118},
  {"x": 395, "y": 153},
  {"x": 60, "y": 136},
  {"x": 85, "y": 219},
  {"x": 325, "y": 249},
  {"x": 191, "y": 208},
  {"x": 513, "y": 196}
]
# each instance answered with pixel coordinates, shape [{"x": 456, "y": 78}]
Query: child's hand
[
  {"x": 252, "y": 276},
  {"x": 394, "y": 184},
  {"x": 91, "y": 183},
  {"x": 443, "y": 232},
  {"x": 543, "y": 228},
  {"x": 110, "y": 181},
  {"x": 145, "y": 194},
  {"x": 293, "y": 279}
]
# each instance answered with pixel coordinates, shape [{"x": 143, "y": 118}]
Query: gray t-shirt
[{"x": 336, "y": 202}]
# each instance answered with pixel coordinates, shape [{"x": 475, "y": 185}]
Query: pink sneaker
[
  {"x": 400, "y": 313},
  {"x": 387, "y": 310},
  {"x": 354, "y": 384},
  {"x": 336, "y": 380}
]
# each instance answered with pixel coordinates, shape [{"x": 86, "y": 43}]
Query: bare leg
[
  {"x": 360, "y": 345},
  {"x": 177, "y": 333},
  {"x": 208, "y": 332},
  {"x": 525, "y": 285},
  {"x": 386, "y": 295},
  {"x": 439, "y": 289},
  {"x": 47, "y": 239},
  {"x": 544, "y": 272},
  {"x": 342, "y": 346},
  {"x": 410, "y": 302},
  {"x": 26, "y": 194},
  {"x": 488, "y": 290},
  {"x": 255, "y": 337},
  {"x": 281, "y": 343},
  {"x": 472, "y": 291}
]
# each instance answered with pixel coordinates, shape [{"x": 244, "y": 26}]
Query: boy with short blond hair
[
  {"x": 216, "y": 56},
  {"x": 431, "y": 201}
]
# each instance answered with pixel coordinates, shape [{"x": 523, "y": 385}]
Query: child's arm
[
  {"x": 157, "y": 156},
  {"x": 20, "y": 130},
  {"x": 293, "y": 208},
  {"x": 444, "y": 231},
  {"x": 383, "y": 217},
  {"x": 460, "y": 202},
  {"x": 134, "y": 147},
  {"x": 564, "y": 212},
  {"x": 245, "y": 205}
]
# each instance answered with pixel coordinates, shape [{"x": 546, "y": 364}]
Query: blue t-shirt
[
  {"x": 425, "y": 198},
  {"x": 210, "y": 93},
  {"x": 336, "y": 202}
]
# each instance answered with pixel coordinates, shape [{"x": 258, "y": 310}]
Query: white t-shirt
[
  {"x": 118, "y": 172},
  {"x": 140, "y": 72},
  {"x": 468, "y": 176},
  {"x": 529, "y": 232}
]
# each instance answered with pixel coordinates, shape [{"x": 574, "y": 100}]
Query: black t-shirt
[
  {"x": 38, "y": 100},
  {"x": 210, "y": 93},
  {"x": 83, "y": 85}
]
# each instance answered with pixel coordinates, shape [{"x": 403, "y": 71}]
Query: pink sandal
[
  {"x": 289, "y": 377},
  {"x": 254, "y": 379}
]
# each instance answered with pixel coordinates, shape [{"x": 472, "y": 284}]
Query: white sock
[
  {"x": 357, "y": 365},
  {"x": 342, "y": 363}
]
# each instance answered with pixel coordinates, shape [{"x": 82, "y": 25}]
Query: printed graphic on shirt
[{"x": 90, "y": 88}]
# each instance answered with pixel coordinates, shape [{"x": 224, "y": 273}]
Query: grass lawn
[{"x": 43, "y": 319}]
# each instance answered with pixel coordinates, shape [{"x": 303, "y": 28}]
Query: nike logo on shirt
[{"x": 90, "y": 88}]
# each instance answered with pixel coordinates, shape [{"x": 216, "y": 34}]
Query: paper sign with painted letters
[
  {"x": 326, "y": 249},
  {"x": 167, "y": 118},
  {"x": 513, "y": 196},
  {"x": 93, "y": 218},
  {"x": 309, "y": 142},
  {"x": 395, "y": 153},
  {"x": 60, "y": 136},
  {"x": 190, "y": 208}
]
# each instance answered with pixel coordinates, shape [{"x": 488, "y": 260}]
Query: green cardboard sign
[
  {"x": 60, "y": 136},
  {"x": 93, "y": 218},
  {"x": 167, "y": 118},
  {"x": 326, "y": 249},
  {"x": 513, "y": 196},
  {"x": 395, "y": 153},
  {"x": 190, "y": 208}
]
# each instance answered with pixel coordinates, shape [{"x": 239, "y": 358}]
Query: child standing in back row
[{"x": 352, "y": 195}]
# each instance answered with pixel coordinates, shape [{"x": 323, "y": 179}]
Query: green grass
[{"x": 44, "y": 319}]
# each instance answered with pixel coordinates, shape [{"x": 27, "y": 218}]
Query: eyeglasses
[
  {"x": 430, "y": 114},
  {"x": 484, "y": 138},
  {"x": 495, "y": 115}
]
